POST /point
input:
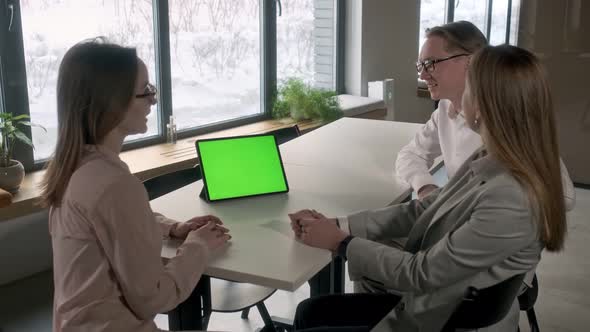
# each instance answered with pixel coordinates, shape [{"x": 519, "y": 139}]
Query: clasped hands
[
  {"x": 209, "y": 228},
  {"x": 314, "y": 229}
]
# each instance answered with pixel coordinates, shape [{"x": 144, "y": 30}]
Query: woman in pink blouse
[{"x": 106, "y": 240}]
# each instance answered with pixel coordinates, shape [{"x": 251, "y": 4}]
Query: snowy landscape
[
  {"x": 432, "y": 13},
  {"x": 215, "y": 50}
]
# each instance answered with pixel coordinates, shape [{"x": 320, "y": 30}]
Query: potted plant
[
  {"x": 12, "y": 171},
  {"x": 300, "y": 101}
]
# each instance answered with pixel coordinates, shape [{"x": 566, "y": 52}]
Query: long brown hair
[
  {"x": 95, "y": 85},
  {"x": 460, "y": 36},
  {"x": 509, "y": 85}
]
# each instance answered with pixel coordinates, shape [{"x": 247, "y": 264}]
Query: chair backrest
[
  {"x": 527, "y": 299},
  {"x": 284, "y": 135},
  {"x": 165, "y": 183},
  {"x": 485, "y": 307}
]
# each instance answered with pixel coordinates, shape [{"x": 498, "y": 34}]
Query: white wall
[
  {"x": 352, "y": 47},
  {"x": 382, "y": 42},
  {"x": 324, "y": 41},
  {"x": 559, "y": 32}
]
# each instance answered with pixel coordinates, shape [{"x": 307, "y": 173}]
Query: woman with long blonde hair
[
  {"x": 106, "y": 240},
  {"x": 489, "y": 223},
  {"x": 520, "y": 130}
]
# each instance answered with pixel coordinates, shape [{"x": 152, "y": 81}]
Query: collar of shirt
[
  {"x": 484, "y": 164},
  {"x": 451, "y": 111}
]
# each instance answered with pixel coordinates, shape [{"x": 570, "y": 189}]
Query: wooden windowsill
[{"x": 147, "y": 162}]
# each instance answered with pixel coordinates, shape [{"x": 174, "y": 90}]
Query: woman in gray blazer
[{"x": 490, "y": 222}]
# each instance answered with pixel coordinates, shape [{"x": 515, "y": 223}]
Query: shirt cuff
[
  {"x": 420, "y": 181},
  {"x": 165, "y": 224},
  {"x": 343, "y": 223}
]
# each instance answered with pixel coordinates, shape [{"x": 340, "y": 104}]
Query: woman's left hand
[
  {"x": 321, "y": 233},
  {"x": 181, "y": 229}
]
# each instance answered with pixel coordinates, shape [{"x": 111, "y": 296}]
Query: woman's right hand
[{"x": 213, "y": 234}]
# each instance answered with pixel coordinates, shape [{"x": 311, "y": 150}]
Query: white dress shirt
[{"x": 447, "y": 134}]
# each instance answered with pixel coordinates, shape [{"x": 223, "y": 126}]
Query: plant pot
[
  {"x": 12, "y": 176},
  {"x": 287, "y": 120}
]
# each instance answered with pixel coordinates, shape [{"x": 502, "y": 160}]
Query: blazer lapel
[
  {"x": 445, "y": 201},
  {"x": 469, "y": 177},
  {"x": 455, "y": 198},
  {"x": 458, "y": 187}
]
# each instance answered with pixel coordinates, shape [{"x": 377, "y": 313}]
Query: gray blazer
[{"x": 476, "y": 231}]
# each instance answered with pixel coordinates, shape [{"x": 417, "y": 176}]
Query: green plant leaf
[
  {"x": 301, "y": 101},
  {"x": 30, "y": 124},
  {"x": 20, "y": 117},
  {"x": 10, "y": 132},
  {"x": 23, "y": 138}
]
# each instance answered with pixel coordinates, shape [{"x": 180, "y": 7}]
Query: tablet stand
[{"x": 204, "y": 196}]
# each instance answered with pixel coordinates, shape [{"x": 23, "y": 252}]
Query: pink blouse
[{"x": 106, "y": 240}]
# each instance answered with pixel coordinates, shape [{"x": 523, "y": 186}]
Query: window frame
[
  {"x": 450, "y": 17},
  {"x": 13, "y": 83}
]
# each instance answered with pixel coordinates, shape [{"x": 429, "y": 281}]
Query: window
[
  {"x": 216, "y": 63},
  {"x": 306, "y": 39},
  {"x": 215, "y": 60},
  {"x": 1, "y": 92},
  {"x": 46, "y": 40},
  {"x": 432, "y": 13},
  {"x": 492, "y": 17}
]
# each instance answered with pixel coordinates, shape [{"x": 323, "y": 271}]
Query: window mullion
[
  {"x": 15, "y": 81},
  {"x": 162, "y": 50},
  {"x": 488, "y": 18},
  {"x": 508, "y": 21},
  {"x": 450, "y": 11},
  {"x": 269, "y": 54},
  {"x": 340, "y": 31},
  {"x": 3, "y": 31}
]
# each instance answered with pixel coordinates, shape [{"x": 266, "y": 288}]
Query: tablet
[{"x": 241, "y": 166}]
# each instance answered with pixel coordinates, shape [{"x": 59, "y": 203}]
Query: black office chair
[
  {"x": 286, "y": 134},
  {"x": 163, "y": 184},
  {"x": 527, "y": 301},
  {"x": 484, "y": 307},
  {"x": 227, "y": 296}
]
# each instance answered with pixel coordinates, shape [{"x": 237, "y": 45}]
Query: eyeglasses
[
  {"x": 150, "y": 91},
  {"x": 428, "y": 65}
]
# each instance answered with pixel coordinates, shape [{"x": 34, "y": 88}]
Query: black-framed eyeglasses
[
  {"x": 428, "y": 65},
  {"x": 150, "y": 91}
]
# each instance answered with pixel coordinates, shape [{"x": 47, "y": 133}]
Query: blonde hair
[
  {"x": 459, "y": 36},
  {"x": 95, "y": 86},
  {"x": 510, "y": 88}
]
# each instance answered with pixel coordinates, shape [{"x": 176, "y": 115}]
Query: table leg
[
  {"x": 330, "y": 279},
  {"x": 194, "y": 312},
  {"x": 338, "y": 275}
]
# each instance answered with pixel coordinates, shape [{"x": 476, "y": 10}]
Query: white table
[{"x": 337, "y": 169}]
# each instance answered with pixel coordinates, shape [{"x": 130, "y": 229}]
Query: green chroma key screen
[{"x": 241, "y": 166}]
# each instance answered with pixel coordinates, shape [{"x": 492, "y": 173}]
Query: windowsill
[
  {"x": 357, "y": 105},
  {"x": 159, "y": 159}
]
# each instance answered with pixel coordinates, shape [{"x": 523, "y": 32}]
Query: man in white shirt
[{"x": 442, "y": 65}]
